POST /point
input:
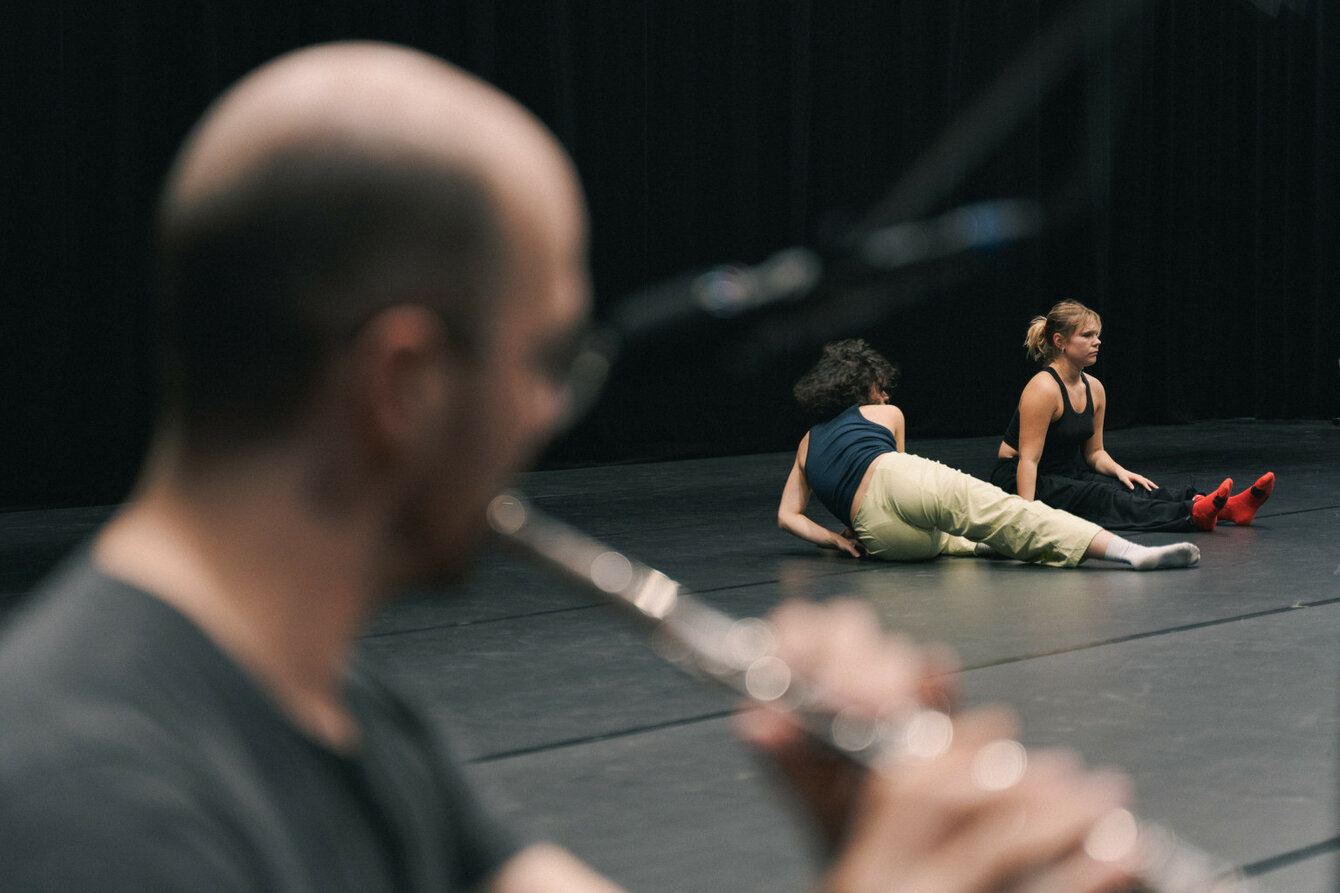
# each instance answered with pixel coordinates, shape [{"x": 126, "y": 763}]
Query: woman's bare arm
[
  {"x": 791, "y": 515},
  {"x": 1098, "y": 458},
  {"x": 1039, "y": 405}
]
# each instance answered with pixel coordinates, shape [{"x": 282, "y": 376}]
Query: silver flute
[{"x": 739, "y": 654}]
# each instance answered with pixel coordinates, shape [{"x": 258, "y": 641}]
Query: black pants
[{"x": 1104, "y": 500}]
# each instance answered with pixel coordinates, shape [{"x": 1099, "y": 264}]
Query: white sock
[{"x": 1148, "y": 558}]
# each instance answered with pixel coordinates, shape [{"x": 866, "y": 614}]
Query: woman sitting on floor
[
  {"x": 901, "y": 507},
  {"x": 1053, "y": 451}
]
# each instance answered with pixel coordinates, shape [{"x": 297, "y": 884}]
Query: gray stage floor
[{"x": 1215, "y": 688}]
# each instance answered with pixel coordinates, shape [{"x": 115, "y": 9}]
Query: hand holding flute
[{"x": 980, "y": 814}]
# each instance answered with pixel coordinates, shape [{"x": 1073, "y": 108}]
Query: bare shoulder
[
  {"x": 880, "y": 411},
  {"x": 1095, "y": 385},
  {"x": 885, "y": 414},
  {"x": 1042, "y": 381},
  {"x": 1041, "y": 395}
]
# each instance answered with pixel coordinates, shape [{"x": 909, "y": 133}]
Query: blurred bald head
[
  {"x": 330, "y": 184},
  {"x": 375, "y": 100}
]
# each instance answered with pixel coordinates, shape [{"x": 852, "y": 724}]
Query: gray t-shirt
[{"x": 135, "y": 756}]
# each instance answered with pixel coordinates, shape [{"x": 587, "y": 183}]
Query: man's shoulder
[
  {"x": 123, "y": 726},
  {"x": 128, "y": 731},
  {"x": 96, "y": 671},
  {"x": 105, "y": 680},
  {"x": 82, "y": 634},
  {"x": 94, "y": 780}
]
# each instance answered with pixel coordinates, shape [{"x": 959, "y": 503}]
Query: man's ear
[{"x": 400, "y": 385}]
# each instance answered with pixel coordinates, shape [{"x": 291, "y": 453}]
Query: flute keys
[
  {"x": 767, "y": 679},
  {"x": 925, "y": 736},
  {"x": 1113, "y": 837},
  {"x": 999, "y": 765}
]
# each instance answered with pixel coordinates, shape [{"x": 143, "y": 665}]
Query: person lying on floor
[
  {"x": 901, "y": 507},
  {"x": 1054, "y": 452}
]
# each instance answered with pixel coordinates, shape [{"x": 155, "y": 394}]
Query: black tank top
[
  {"x": 840, "y": 451},
  {"x": 1066, "y": 436}
]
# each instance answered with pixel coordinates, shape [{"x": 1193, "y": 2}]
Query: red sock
[
  {"x": 1241, "y": 509},
  {"x": 1205, "y": 509}
]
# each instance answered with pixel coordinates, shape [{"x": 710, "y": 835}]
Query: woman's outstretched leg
[
  {"x": 1110, "y": 547},
  {"x": 909, "y": 492}
]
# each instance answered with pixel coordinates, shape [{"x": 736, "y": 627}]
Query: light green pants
[{"x": 916, "y": 508}]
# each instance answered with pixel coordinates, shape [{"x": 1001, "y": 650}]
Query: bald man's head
[
  {"x": 373, "y": 100},
  {"x": 326, "y": 186}
]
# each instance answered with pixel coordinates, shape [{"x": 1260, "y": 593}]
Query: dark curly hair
[{"x": 843, "y": 377}]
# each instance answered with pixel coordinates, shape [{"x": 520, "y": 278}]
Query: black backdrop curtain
[{"x": 711, "y": 131}]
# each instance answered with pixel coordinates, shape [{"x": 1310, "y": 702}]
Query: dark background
[{"x": 710, "y": 131}]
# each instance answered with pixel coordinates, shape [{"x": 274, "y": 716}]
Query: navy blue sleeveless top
[
  {"x": 840, "y": 451},
  {"x": 1066, "y": 436}
]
